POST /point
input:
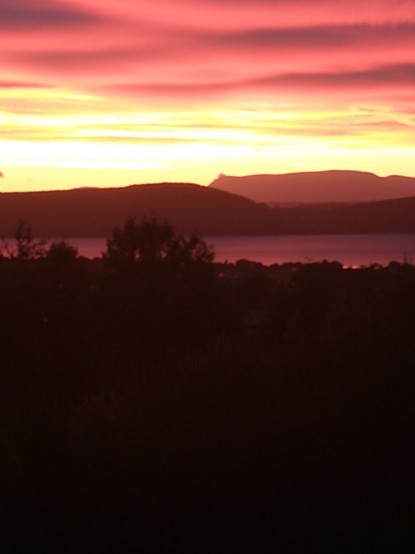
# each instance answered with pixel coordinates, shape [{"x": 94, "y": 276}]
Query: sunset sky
[{"x": 110, "y": 93}]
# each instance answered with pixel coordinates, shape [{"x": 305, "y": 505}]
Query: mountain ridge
[
  {"x": 93, "y": 212},
  {"x": 317, "y": 187}
]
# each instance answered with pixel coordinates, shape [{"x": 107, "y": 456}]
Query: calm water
[{"x": 350, "y": 250}]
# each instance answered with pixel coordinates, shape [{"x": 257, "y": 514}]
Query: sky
[{"x": 104, "y": 93}]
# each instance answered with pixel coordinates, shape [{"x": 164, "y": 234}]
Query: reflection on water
[{"x": 350, "y": 250}]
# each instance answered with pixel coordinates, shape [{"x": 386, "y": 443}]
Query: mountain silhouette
[
  {"x": 317, "y": 187},
  {"x": 93, "y": 212}
]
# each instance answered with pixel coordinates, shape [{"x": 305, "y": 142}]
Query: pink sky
[{"x": 104, "y": 93}]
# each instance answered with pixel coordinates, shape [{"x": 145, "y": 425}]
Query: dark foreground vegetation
[{"x": 154, "y": 401}]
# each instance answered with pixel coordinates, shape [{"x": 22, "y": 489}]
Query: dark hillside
[
  {"x": 388, "y": 216},
  {"x": 93, "y": 212},
  {"x": 189, "y": 208}
]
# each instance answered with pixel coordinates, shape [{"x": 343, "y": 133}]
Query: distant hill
[
  {"x": 383, "y": 217},
  {"x": 317, "y": 187},
  {"x": 93, "y": 212}
]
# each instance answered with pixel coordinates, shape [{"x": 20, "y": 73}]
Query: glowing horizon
[{"x": 94, "y": 93}]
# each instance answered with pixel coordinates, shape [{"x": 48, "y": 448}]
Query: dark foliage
[
  {"x": 61, "y": 252},
  {"x": 149, "y": 242},
  {"x": 25, "y": 247},
  {"x": 252, "y": 409}
]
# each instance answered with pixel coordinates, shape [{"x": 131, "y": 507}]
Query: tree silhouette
[
  {"x": 191, "y": 250},
  {"x": 61, "y": 251},
  {"x": 147, "y": 241},
  {"x": 150, "y": 241},
  {"x": 26, "y": 247}
]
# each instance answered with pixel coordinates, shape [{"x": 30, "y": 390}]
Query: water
[{"x": 349, "y": 250}]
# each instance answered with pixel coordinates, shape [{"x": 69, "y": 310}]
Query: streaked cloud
[
  {"x": 373, "y": 82},
  {"x": 213, "y": 72},
  {"x": 38, "y": 15},
  {"x": 21, "y": 85}
]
